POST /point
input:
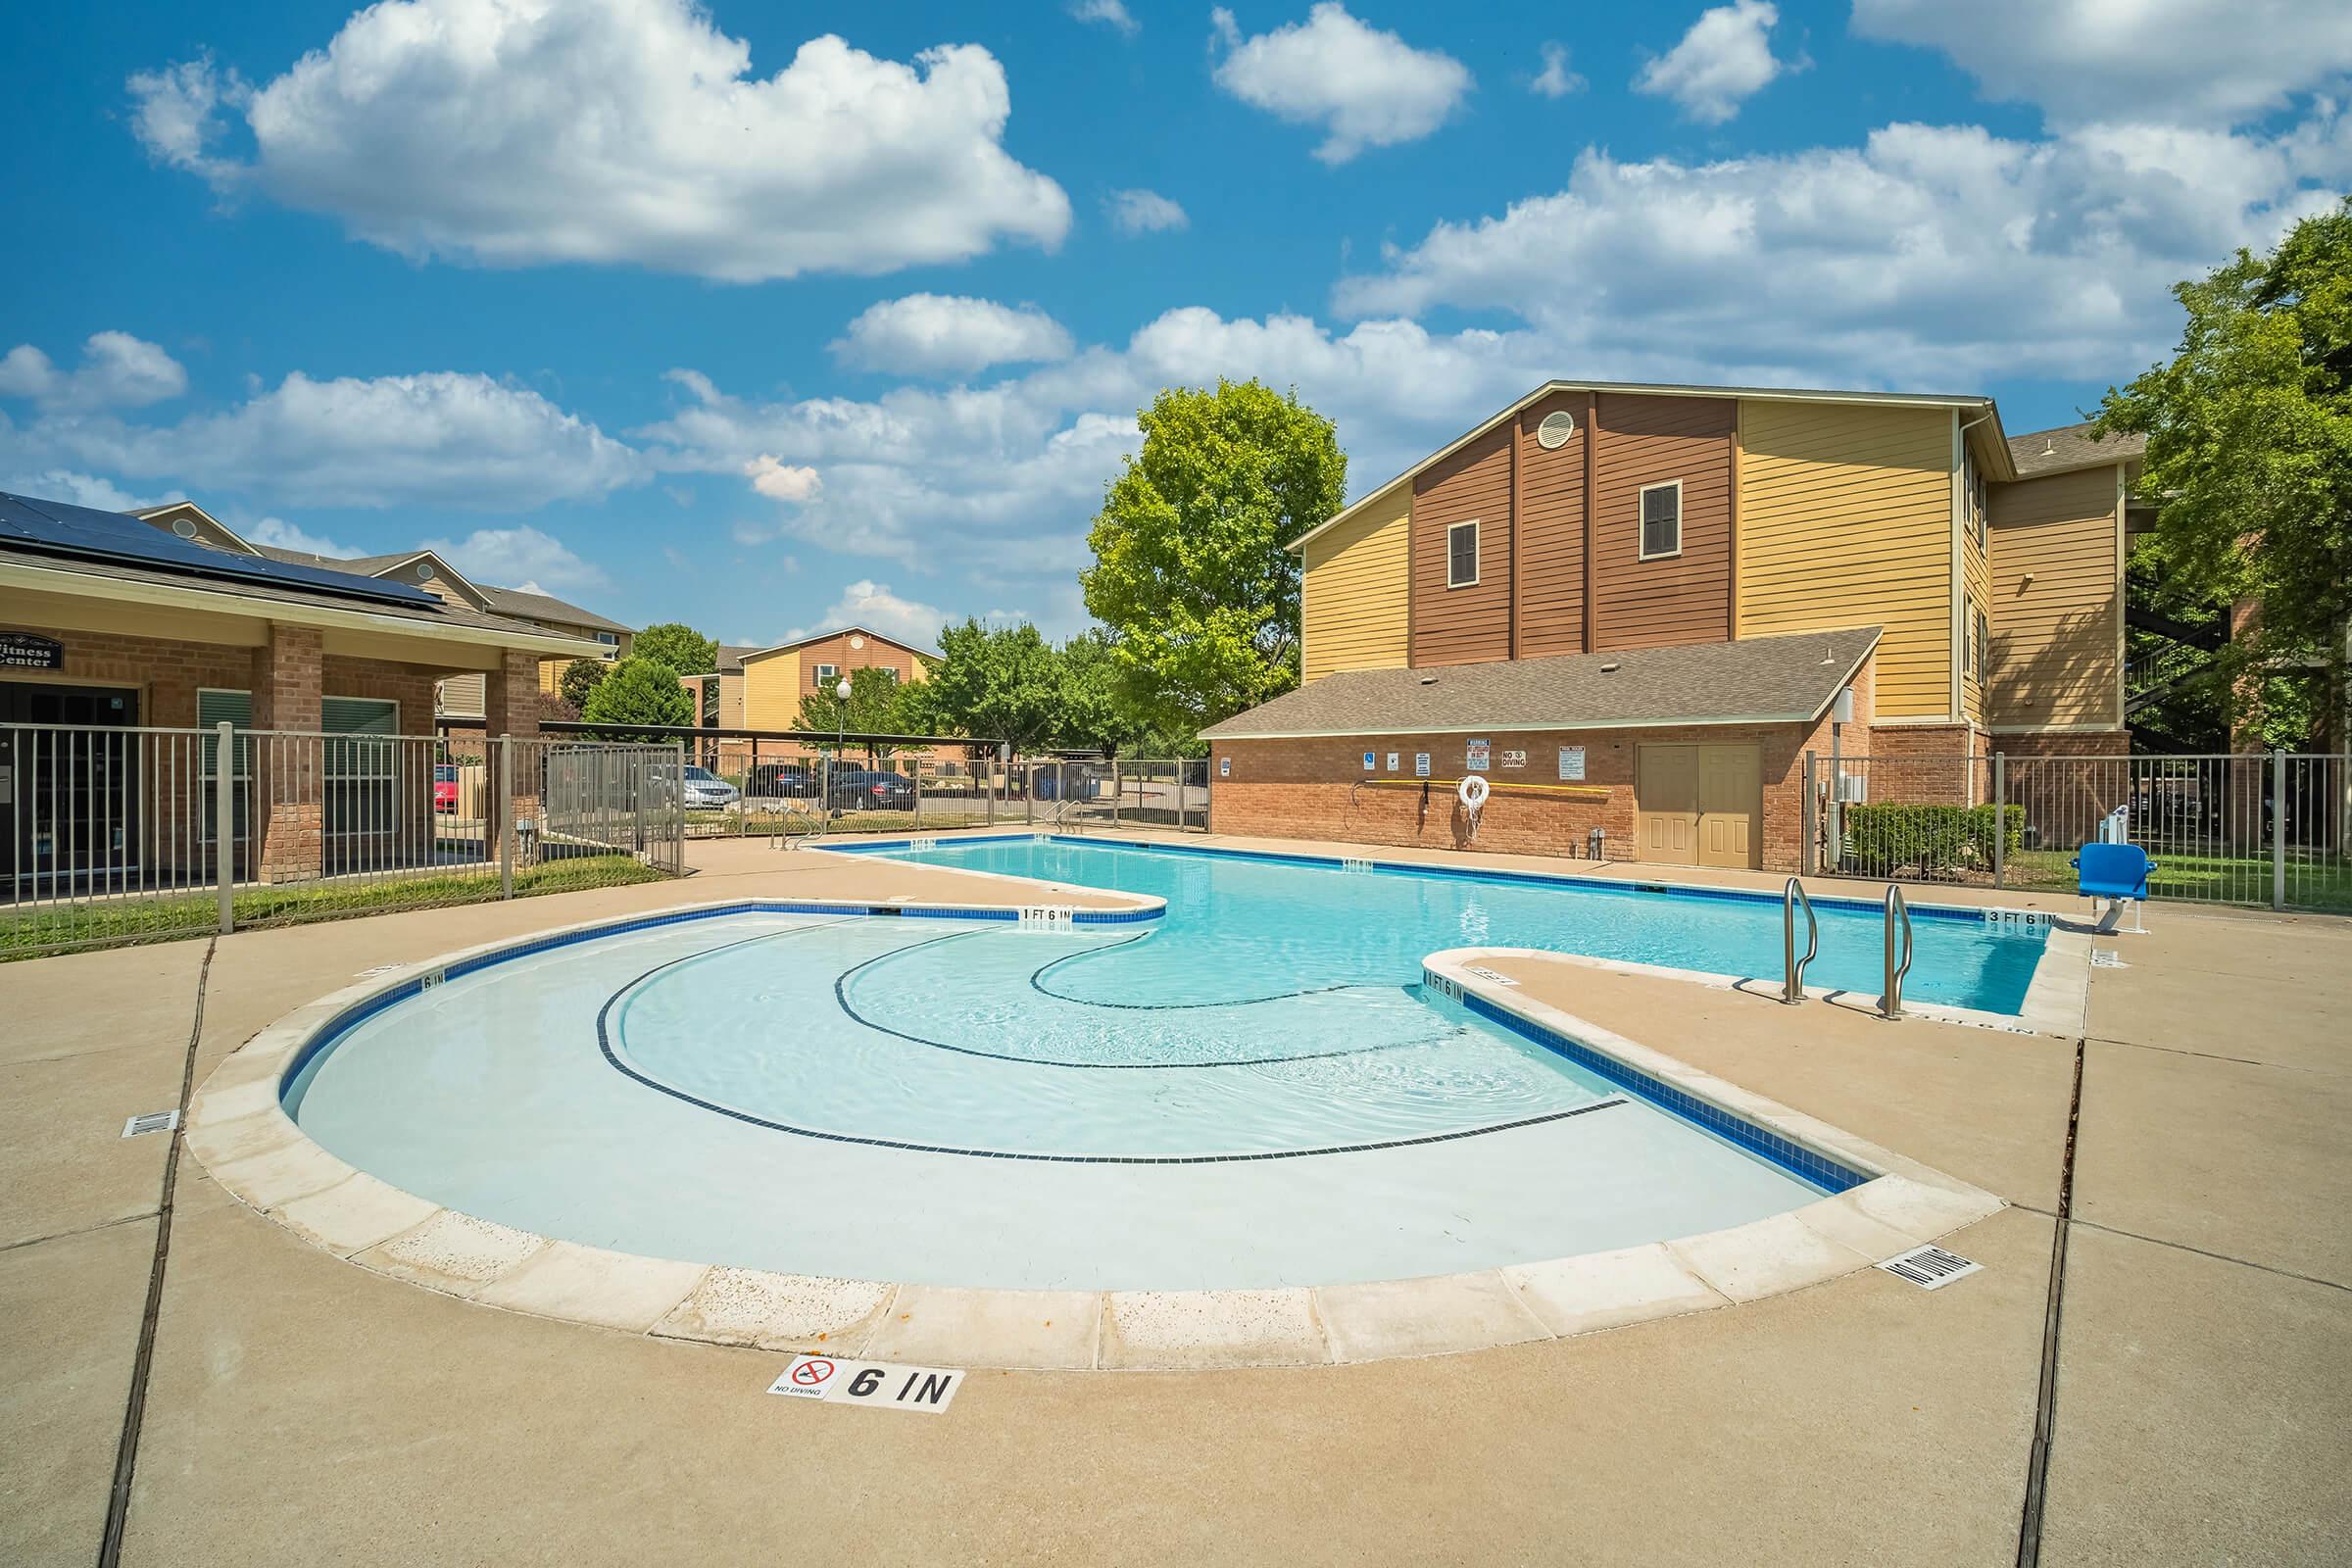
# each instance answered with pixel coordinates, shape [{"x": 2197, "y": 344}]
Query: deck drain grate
[
  {"x": 1930, "y": 1267},
  {"x": 154, "y": 1121},
  {"x": 2107, "y": 959}
]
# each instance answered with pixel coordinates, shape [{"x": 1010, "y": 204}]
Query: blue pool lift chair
[{"x": 2117, "y": 873}]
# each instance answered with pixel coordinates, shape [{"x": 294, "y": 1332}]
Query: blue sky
[{"x": 770, "y": 318}]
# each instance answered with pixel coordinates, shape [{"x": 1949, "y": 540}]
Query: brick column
[
  {"x": 288, "y": 814},
  {"x": 511, "y": 706}
]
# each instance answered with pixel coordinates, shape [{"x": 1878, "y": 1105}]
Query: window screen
[
  {"x": 1461, "y": 555},
  {"x": 1662, "y": 519}
]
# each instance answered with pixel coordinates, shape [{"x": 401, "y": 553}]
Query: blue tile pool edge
[
  {"x": 360, "y": 1011},
  {"x": 1649, "y": 887},
  {"x": 1801, "y": 1160}
]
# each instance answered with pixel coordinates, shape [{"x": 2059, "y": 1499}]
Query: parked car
[
  {"x": 782, "y": 781},
  {"x": 864, "y": 790},
  {"x": 706, "y": 791},
  {"x": 445, "y": 787}
]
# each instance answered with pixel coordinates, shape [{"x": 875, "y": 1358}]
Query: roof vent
[
  {"x": 1556, "y": 430},
  {"x": 1429, "y": 680},
  {"x": 186, "y": 527},
  {"x": 2049, "y": 446},
  {"x": 1610, "y": 669}
]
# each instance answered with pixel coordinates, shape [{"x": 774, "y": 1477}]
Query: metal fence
[
  {"x": 799, "y": 794},
  {"x": 120, "y": 834},
  {"x": 2265, "y": 829}
]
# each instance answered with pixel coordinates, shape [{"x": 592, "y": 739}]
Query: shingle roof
[
  {"x": 508, "y": 601},
  {"x": 546, "y": 607},
  {"x": 2070, "y": 447},
  {"x": 434, "y": 612},
  {"x": 730, "y": 656},
  {"x": 1762, "y": 679}
]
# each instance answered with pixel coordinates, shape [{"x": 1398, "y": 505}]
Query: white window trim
[
  {"x": 1641, "y": 525},
  {"x": 824, "y": 676},
  {"x": 1453, "y": 528}
]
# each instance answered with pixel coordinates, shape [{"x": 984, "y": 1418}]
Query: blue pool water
[
  {"x": 1253, "y": 1090},
  {"x": 1239, "y": 924}
]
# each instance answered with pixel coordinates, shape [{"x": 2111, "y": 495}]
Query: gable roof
[
  {"x": 828, "y": 635},
  {"x": 731, "y": 657},
  {"x": 2070, "y": 447},
  {"x": 1994, "y": 446},
  {"x": 1760, "y": 680},
  {"x": 547, "y": 606},
  {"x": 385, "y": 566}
]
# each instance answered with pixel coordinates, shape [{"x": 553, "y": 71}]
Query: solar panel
[{"x": 55, "y": 527}]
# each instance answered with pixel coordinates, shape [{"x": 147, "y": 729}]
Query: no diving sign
[{"x": 928, "y": 1389}]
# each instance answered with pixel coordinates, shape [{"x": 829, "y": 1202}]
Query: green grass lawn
[
  {"x": 102, "y": 921},
  {"x": 2312, "y": 883}
]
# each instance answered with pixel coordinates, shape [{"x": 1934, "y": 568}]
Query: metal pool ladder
[
  {"x": 1792, "y": 967},
  {"x": 1891, "y": 1004}
]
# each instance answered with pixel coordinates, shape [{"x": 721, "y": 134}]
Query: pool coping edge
[{"x": 240, "y": 1132}]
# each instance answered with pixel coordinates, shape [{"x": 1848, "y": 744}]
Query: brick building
[
  {"x": 116, "y": 624},
  {"x": 1590, "y": 526}
]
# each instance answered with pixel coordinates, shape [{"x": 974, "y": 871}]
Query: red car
[{"x": 445, "y": 787}]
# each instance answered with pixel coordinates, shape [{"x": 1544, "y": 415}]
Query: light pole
[{"x": 840, "y": 717}]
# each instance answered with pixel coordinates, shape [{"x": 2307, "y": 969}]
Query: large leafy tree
[
  {"x": 1189, "y": 572},
  {"x": 639, "y": 691},
  {"x": 1094, "y": 710},
  {"x": 580, "y": 677},
  {"x": 2249, "y": 460},
  {"x": 1001, "y": 682},
  {"x": 879, "y": 704},
  {"x": 677, "y": 645}
]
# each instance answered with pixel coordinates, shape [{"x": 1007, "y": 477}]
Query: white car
[{"x": 706, "y": 791}]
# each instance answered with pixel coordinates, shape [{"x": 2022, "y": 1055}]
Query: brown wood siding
[
  {"x": 1642, "y": 440},
  {"x": 1550, "y": 521},
  {"x": 1464, "y": 625},
  {"x": 2054, "y": 636}
]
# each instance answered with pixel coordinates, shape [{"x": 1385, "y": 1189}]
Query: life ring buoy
[{"x": 1472, "y": 792}]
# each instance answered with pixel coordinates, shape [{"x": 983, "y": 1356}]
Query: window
[
  {"x": 1662, "y": 519},
  {"x": 1461, "y": 555},
  {"x": 236, "y": 707},
  {"x": 359, "y": 793},
  {"x": 1984, "y": 647},
  {"x": 826, "y": 675},
  {"x": 609, "y": 639}
]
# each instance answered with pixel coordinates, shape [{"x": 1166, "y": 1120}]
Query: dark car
[
  {"x": 781, "y": 781},
  {"x": 860, "y": 790}
]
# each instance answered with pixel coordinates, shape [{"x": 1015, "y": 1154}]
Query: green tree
[
  {"x": 580, "y": 677},
  {"x": 1191, "y": 574},
  {"x": 677, "y": 645},
  {"x": 1000, "y": 682},
  {"x": 1092, "y": 700},
  {"x": 879, "y": 703},
  {"x": 639, "y": 691},
  {"x": 2249, "y": 457}
]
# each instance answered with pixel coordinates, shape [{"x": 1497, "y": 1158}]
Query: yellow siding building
[
  {"x": 1353, "y": 610},
  {"x": 2057, "y": 603}
]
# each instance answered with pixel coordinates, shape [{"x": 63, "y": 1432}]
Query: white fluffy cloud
[
  {"x": 630, "y": 131},
  {"x": 1144, "y": 212},
  {"x": 1722, "y": 62},
  {"x": 1110, "y": 12},
  {"x": 441, "y": 439},
  {"x": 778, "y": 481},
  {"x": 279, "y": 534},
  {"x": 1555, "y": 79},
  {"x": 928, "y": 334},
  {"x": 81, "y": 490},
  {"x": 871, "y": 604},
  {"x": 2144, "y": 61},
  {"x": 117, "y": 372},
  {"x": 1366, "y": 88},
  {"x": 1937, "y": 256},
  {"x": 520, "y": 557}
]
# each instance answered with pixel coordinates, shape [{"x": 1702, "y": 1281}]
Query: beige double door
[{"x": 1700, "y": 804}]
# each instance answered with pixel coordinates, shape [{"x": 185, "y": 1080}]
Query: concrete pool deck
[{"x": 301, "y": 1409}]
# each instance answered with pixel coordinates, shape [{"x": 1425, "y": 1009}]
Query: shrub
[{"x": 1884, "y": 839}]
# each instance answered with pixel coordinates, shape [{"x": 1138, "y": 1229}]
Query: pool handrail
[
  {"x": 1792, "y": 967},
  {"x": 1890, "y": 1004}
]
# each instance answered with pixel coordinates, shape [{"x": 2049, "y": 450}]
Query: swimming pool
[{"x": 1243, "y": 920}]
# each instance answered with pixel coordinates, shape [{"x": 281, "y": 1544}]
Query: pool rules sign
[{"x": 929, "y": 1389}]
